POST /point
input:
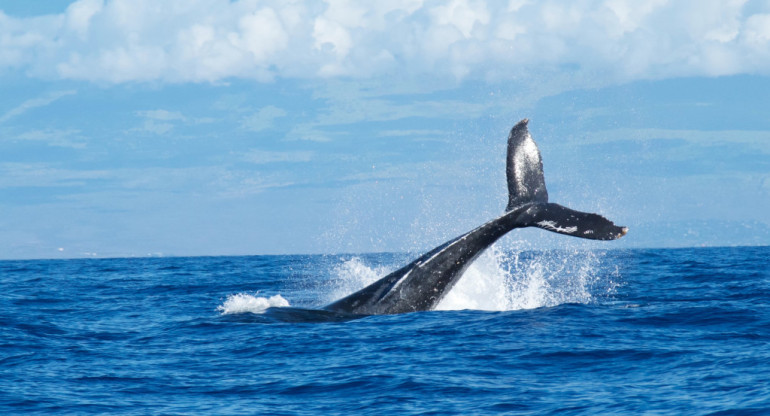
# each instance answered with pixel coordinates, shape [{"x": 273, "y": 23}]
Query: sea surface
[{"x": 654, "y": 331}]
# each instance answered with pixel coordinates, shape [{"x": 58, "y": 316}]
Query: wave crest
[{"x": 245, "y": 303}]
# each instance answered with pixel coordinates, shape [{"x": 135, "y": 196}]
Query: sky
[{"x": 214, "y": 127}]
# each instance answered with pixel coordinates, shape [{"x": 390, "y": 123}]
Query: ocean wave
[{"x": 245, "y": 303}]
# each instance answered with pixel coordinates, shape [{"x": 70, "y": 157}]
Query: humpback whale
[{"x": 421, "y": 284}]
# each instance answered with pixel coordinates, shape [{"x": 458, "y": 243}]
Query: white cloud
[
  {"x": 413, "y": 133},
  {"x": 79, "y": 14},
  {"x": 117, "y": 41},
  {"x": 263, "y": 119},
  {"x": 162, "y": 121},
  {"x": 34, "y": 103},
  {"x": 208, "y": 180},
  {"x": 260, "y": 35},
  {"x": 14, "y": 174},
  {"x": 159, "y": 121},
  {"x": 461, "y": 14},
  {"x": 307, "y": 132},
  {"x": 756, "y": 140},
  {"x": 758, "y": 29},
  {"x": 56, "y": 137},
  {"x": 162, "y": 115},
  {"x": 156, "y": 127},
  {"x": 266, "y": 156}
]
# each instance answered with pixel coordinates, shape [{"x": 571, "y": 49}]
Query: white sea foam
[{"x": 243, "y": 303}]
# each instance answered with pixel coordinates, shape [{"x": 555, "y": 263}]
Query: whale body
[{"x": 421, "y": 284}]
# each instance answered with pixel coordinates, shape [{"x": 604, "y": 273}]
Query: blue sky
[{"x": 134, "y": 128}]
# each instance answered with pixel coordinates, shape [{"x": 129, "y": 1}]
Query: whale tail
[{"x": 527, "y": 192}]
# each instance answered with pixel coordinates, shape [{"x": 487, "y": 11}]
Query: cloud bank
[{"x": 212, "y": 41}]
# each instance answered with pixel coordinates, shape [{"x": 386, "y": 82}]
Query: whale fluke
[
  {"x": 563, "y": 220},
  {"x": 421, "y": 284},
  {"x": 524, "y": 168}
]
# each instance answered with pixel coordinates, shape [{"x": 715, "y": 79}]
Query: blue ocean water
[{"x": 668, "y": 331}]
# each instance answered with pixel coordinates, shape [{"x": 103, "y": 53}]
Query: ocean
[{"x": 639, "y": 331}]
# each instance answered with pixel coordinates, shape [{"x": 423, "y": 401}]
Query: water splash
[
  {"x": 501, "y": 280},
  {"x": 511, "y": 280},
  {"x": 484, "y": 286},
  {"x": 245, "y": 303},
  {"x": 353, "y": 274}
]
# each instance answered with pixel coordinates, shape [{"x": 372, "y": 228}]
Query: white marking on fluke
[{"x": 551, "y": 226}]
